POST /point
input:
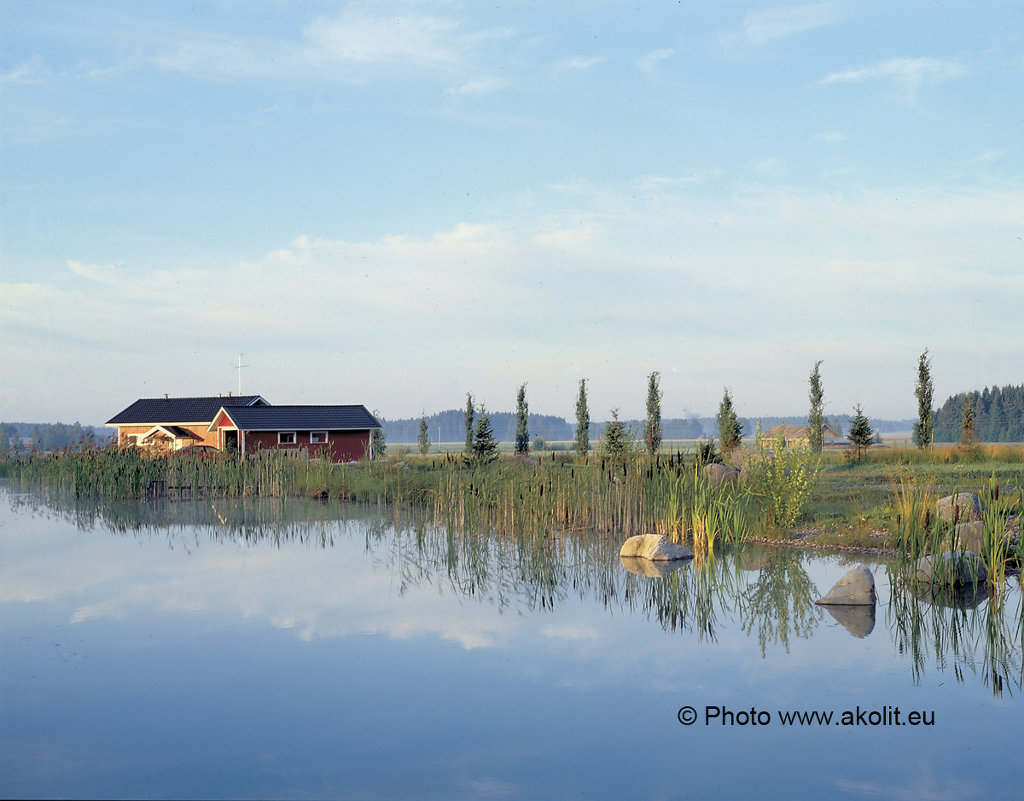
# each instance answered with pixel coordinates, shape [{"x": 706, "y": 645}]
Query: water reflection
[
  {"x": 767, "y": 594},
  {"x": 951, "y": 626}
]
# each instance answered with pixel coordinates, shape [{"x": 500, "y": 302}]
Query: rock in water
[
  {"x": 950, "y": 569},
  {"x": 856, "y": 588},
  {"x": 960, "y": 508},
  {"x": 655, "y": 547}
]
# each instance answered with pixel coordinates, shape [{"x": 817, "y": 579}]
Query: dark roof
[
  {"x": 353, "y": 417},
  {"x": 178, "y": 410}
]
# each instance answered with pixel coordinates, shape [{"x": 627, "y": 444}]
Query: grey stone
[
  {"x": 654, "y": 546},
  {"x": 960, "y": 508},
  {"x": 969, "y": 536},
  {"x": 949, "y": 569},
  {"x": 856, "y": 588}
]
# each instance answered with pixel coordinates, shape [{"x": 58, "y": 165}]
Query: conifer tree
[
  {"x": 470, "y": 412},
  {"x": 423, "y": 440},
  {"x": 652, "y": 425},
  {"x": 582, "y": 421},
  {"x": 816, "y": 415},
  {"x": 522, "y": 423},
  {"x": 485, "y": 447},
  {"x": 614, "y": 436},
  {"x": 730, "y": 429},
  {"x": 860, "y": 434},
  {"x": 924, "y": 427}
]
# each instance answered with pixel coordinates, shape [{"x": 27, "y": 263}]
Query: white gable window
[
  {"x": 317, "y": 437},
  {"x": 285, "y": 437}
]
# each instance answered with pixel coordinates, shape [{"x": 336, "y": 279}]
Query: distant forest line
[
  {"x": 450, "y": 426},
  {"x": 998, "y": 415}
]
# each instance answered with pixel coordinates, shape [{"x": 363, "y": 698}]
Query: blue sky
[{"x": 398, "y": 203}]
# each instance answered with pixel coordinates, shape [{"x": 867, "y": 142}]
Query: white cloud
[
  {"x": 765, "y": 26},
  {"x": 909, "y": 74},
  {"x": 26, "y": 72},
  {"x": 650, "y": 61},
  {"x": 477, "y": 88},
  {"x": 578, "y": 63}
]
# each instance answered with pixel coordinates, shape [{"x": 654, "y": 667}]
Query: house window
[
  {"x": 285, "y": 437},
  {"x": 318, "y": 437}
]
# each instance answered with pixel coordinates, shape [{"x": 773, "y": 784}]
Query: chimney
[
  {"x": 165, "y": 396},
  {"x": 229, "y": 393}
]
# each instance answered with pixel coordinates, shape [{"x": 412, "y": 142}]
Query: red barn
[{"x": 338, "y": 433}]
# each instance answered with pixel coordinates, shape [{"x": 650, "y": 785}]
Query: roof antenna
[{"x": 239, "y": 368}]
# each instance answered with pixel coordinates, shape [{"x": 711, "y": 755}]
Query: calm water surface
[{"x": 221, "y": 650}]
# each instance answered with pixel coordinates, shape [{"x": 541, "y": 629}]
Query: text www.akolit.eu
[{"x": 887, "y": 715}]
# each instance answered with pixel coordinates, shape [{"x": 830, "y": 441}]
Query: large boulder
[
  {"x": 719, "y": 475},
  {"x": 949, "y": 569},
  {"x": 856, "y": 588},
  {"x": 656, "y": 547},
  {"x": 963, "y": 507},
  {"x": 969, "y": 536}
]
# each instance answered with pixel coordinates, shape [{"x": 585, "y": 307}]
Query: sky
[{"x": 395, "y": 204}]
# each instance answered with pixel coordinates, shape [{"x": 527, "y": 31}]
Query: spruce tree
[
  {"x": 614, "y": 437},
  {"x": 470, "y": 412},
  {"x": 652, "y": 425},
  {"x": 522, "y": 423},
  {"x": 816, "y": 415},
  {"x": 582, "y": 421},
  {"x": 860, "y": 434},
  {"x": 424, "y": 437},
  {"x": 485, "y": 447},
  {"x": 730, "y": 429},
  {"x": 923, "y": 428}
]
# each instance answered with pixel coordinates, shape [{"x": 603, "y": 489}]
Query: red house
[
  {"x": 169, "y": 424},
  {"x": 338, "y": 433}
]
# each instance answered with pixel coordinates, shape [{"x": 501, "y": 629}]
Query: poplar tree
[
  {"x": 924, "y": 427},
  {"x": 378, "y": 444},
  {"x": 470, "y": 412},
  {"x": 730, "y": 429},
  {"x": 522, "y": 423},
  {"x": 582, "y": 421},
  {"x": 968, "y": 425},
  {"x": 424, "y": 438},
  {"x": 652, "y": 426},
  {"x": 816, "y": 415}
]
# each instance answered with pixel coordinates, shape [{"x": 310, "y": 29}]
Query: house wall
[
  {"x": 199, "y": 434},
  {"x": 341, "y": 446}
]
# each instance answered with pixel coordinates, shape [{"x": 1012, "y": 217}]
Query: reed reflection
[
  {"x": 767, "y": 593},
  {"x": 949, "y": 627}
]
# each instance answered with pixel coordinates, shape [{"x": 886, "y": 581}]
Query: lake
[{"x": 306, "y": 650}]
